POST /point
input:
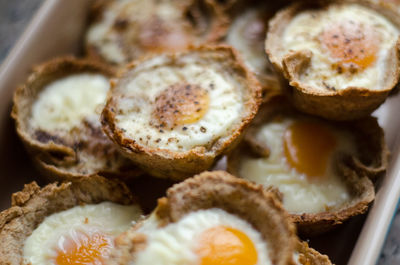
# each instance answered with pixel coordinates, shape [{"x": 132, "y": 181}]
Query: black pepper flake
[
  {"x": 202, "y": 129},
  {"x": 158, "y": 140},
  {"x": 328, "y": 86},
  {"x": 161, "y": 131},
  {"x": 184, "y": 128}
]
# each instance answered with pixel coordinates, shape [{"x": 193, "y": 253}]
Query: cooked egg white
[
  {"x": 179, "y": 107},
  {"x": 247, "y": 35},
  {"x": 82, "y": 233},
  {"x": 302, "y": 165},
  {"x": 350, "y": 46},
  {"x": 65, "y": 103},
  {"x": 202, "y": 237}
]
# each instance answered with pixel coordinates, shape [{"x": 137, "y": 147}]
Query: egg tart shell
[
  {"x": 51, "y": 153},
  {"x": 218, "y": 189},
  {"x": 218, "y": 24},
  {"x": 342, "y": 104},
  {"x": 165, "y": 163},
  {"x": 310, "y": 256},
  {"x": 359, "y": 173},
  {"x": 33, "y": 204}
]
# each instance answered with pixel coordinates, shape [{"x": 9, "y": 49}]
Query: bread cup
[
  {"x": 34, "y": 206},
  {"x": 57, "y": 114},
  {"x": 344, "y": 66},
  {"x": 210, "y": 191},
  {"x": 318, "y": 198},
  {"x": 175, "y": 114},
  {"x": 122, "y": 31}
]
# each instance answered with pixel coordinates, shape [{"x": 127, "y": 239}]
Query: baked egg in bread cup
[
  {"x": 247, "y": 34},
  {"x": 57, "y": 116},
  {"x": 213, "y": 218},
  {"x": 175, "y": 114},
  {"x": 338, "y": 59},
  {"x": 323, "y": 170},
  {"x": 122, "y": 31},
  {"x": 69, "y": 223}
]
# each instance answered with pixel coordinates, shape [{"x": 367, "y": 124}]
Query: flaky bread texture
[
  {"x": 218, "y": 189},
  {"x": 342, "y": 104},
  {"x": 206, "y": 19},
  {"x": 309, "y": 256},
  {"x": 62, "y": 155},
  {"x": 33, "y": 204},
  {"x": 358, "y": 172},
  {"x": 166, "y": 163}
]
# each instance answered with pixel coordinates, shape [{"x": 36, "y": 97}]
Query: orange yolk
[
  {"x": 351, "y": 44},
  {"x": 83, "y": 249},
  {"x": 307, "y": 147},
  {"x": 225, "y": 245},
  {"x": 181, "y": 104}
]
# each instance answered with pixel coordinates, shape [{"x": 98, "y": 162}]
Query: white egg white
[
  {"x": 300, "y": 195},
  {"x": 253, "y": 52},
  {"x": 41, "y": 247},
  {"x": 65, "y": 103},
  {"x": 176, "y": 242},
  {"x": 303, "y": 34}
]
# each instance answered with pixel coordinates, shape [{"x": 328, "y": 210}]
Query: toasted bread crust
[
  {"x": 343, "y": 104},
  {"x": 310, "y": 256},
  {"x": 218, "y": 189},
  {"x": 55, "y": 154},
  {"x": 165, "y": 163},
  {"x": 33, "y": 204},
  {"x": 357, "y": 171}
]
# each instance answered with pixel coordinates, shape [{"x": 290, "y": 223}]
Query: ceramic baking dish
[{"x": 57, "y": 29}]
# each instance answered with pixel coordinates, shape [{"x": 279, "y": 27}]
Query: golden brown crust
[
  {"x": 207, "y": 21},
  {"x": 165, "y": 163},
  {"x": 59, "y": 155},
  {"x": 218, "y": 189},
  {"x": 33, "y": 204},
  {"x": 309, "y": 256},
  {"x": 357, "y": 171},
  {"x": 341, "y": 104}
]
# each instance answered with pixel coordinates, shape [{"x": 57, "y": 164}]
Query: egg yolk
[
  {"x": 307, "y": 147},
  {"x": 83, "y": 249},
  {"x": 181, "y": 104},
  {"x": 352, "y": 44},
  {"x": 225, "y": 245}
]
